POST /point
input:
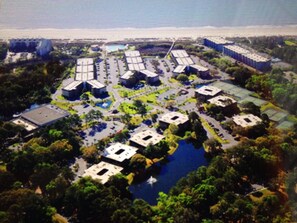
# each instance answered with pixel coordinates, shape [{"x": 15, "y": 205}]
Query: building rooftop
[
  {"x": 179, "y": 53},
  {"x": 199, "y": 68},
  {"x": 179, "y": 69},
  {"x": 146, "y": 137},
  {"x": 44, "y": 115},
  {"x": 96, "y": 84},
  {"x": 219, "y": 40},
  {"x": 72, "y": 86},
  {"x": 149, "y": 73},
  {"x": 257, "y": 58},
  {"x": 127, "y": 75},
  {"x": 237, "y": 49},
  {"x": 221, "y": 101},
  {"x": 132, "y": 53},
  {"x": 246, "y": 120},
  {"x": 184, "y": 61},
  {"x": 84, "y": 69},
  {"x": 208, "y": 90},
  {"x": 102, "y": 171},
  {"x": 119, "y": 152},
  {"x": 27, "y": 125},
  {"x": 176, "y": 118}
]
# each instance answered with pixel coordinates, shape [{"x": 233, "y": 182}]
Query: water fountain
[{"x": 151, "y": 180}]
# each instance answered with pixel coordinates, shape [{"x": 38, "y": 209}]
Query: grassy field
[
  {"x": 125, "y": 93},
  {"x": 153, "y": 96},
  {"x": 66, "y": 106},
  {"x": 128, "y": 108},
  {"x": 290, "y": 43}
]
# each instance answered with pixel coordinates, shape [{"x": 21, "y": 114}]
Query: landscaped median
[{"x": 209, "y": 129}]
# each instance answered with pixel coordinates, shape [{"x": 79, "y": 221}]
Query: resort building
[
  {"x": 248, "y": 120},
  {"x": 238, "y": 53},
  {"x": 84, "y": 79},
  {"x": 185, "y": 64},
  {"x": 216, "y": 43},
  {"x": 42, "y": 47},
  {"x": 102, "y": 171},
  {"x": 206, "y": 92},
  {"x": 175, "y": 118},
  {"x": 41, "y": 116},
  {"x": 136, "y": 70},
  {"x": 119, "y": 153},
  {"x": 145, "y": 138}
]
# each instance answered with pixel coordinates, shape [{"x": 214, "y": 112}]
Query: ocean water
[{"x": 105, "y": 14}]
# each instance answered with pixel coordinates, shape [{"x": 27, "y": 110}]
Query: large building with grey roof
[
  {"x": 185, "y": 64},
  {"x": 206, "y": 92},
  {"x": 247, "y": 120},
  {"x": 85, "y": 78},
  {"x": 137, "y": 70},
  {"x": 40, "y": 116}
]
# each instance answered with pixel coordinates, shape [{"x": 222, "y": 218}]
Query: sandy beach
[{"x": 158, "y": 33}]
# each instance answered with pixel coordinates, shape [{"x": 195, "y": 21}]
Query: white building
[
  {"x": 248, "y": 120},
  {"x": 206, "y": 92},
  {"x": 119, "y": 152},
  {"x": 145, "y": 138},
  {"x": 175, "y": 118},
  {"x": 102, "y": 171}
]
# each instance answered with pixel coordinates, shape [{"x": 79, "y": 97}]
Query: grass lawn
[
  {"x": 65, "y": 106},
  {"x": 125, "y": 93},
  {"x": 136, "y": 120},
  {"x": 117, "y": 86},
  {"x": 290, "y": 43},
  {"x": 270, "y": 105},
  {"x": 152, "y": 97},
  {"x": 128, "y": 108},
  {"x": 193, "y": 77}
]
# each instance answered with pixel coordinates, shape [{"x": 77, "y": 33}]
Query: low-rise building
[
  {"x": 145, "y": 138},
  {"x": 206, "y": 92},
  {"x": 102, "y": 171},
  {"x": 248, "y": 120},
  {"x": 227, "y": 104},
  {"x": 84, "y": 79},
  {"x": 119, "y": 153},
  {"x": 185, "y": 64},
  {"x": 176, "y": 118},
  {"x": 136, "y": 70}
]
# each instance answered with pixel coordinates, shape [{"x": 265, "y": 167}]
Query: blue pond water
[
  {"x": 115, "y": 47},
  {"x": 185, "y": 159},
  {"x": 104, "y": 105}
]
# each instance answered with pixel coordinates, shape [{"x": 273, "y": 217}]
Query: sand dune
[{"x": 159, "y": 33}]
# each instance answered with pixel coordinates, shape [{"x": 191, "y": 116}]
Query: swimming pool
[{"x": 115, "y": 47}]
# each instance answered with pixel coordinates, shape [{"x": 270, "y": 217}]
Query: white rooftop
[
  {"x": 246, "y": 120},
  {"x": 27, "y": 125},
  {"x": 132, "y": 53},
  {"x": 184, "y": 61},
  {"x": 219, "y": 40},
  {"x": 119, "y": 152},
  {"x": 208, "y": 90},
  {"x": 221, "y": 101},
  {"x": 149, "y": 73},
  {"x": 179, "y": 69},
  {"x": 72, "y": 86},
  {"x": 96, "y": 84},
  {"x": 127, "y": 75},
  {"x": 237, "y": 49},
  {"x": 179, "y": 53},
  {"x": 176, "y": 118},
  {"x": 257, "y": 58},
  {"x": 199, "y": 68},
  {"x": 146, "y": 137},
  {"x": 102, "y": 171},
  {"x": 84, "y": 69}
]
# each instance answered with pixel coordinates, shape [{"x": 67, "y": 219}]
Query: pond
[
  {"x": 104, "y": 105},
  {"x": 115, "y": 47},
  {"x": 185, "y": 159}
]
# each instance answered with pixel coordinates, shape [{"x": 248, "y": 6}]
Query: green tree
[
  {"x": 138, "y": 163},
  {"x": 182, "y": 78}
]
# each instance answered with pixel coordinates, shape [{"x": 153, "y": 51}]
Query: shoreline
[{"x": 120, "y": 34}]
